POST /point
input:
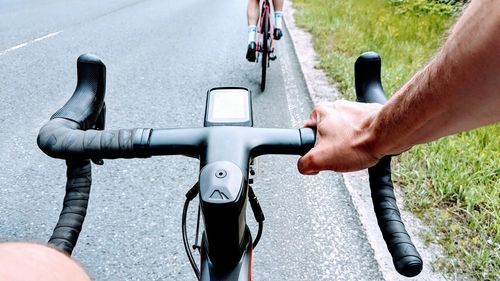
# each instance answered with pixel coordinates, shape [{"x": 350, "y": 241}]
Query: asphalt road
[{"x": 161, "y": 58}]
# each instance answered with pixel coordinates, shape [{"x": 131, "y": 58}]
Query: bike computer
[{"x": 228, "y": 106}]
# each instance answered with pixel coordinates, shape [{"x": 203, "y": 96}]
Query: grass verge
[{"x": 453, "y": 183}]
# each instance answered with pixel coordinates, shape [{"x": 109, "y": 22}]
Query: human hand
[{"x": 344, "y": 141}]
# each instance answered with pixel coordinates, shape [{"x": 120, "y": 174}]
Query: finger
[
  {"x": 308, "y": 164},
  {"x": 313, "y": 119},
  {"x": 316, "y": 116},
  {"x": 312, "y": 115},
  {"x": 310, "y": 123},
  {"x": 303, "y": 170}
]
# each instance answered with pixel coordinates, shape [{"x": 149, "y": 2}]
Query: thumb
[{"x": 307, "y": 164}]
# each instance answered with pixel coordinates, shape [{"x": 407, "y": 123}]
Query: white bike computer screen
[{"x": 228, "y": 106}]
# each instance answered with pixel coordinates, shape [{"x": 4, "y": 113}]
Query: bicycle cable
[
  {"x": 190, "y": 195},
  {"x": 257, "y": 212}
]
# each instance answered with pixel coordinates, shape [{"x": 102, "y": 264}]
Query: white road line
[
  {"x": 294, "y": 98},
  {"x": 29, "y": 42}
]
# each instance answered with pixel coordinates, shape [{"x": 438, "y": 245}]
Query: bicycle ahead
[
  {"x": 265, "y": 42},
  {"x": 225, "y": 146}
]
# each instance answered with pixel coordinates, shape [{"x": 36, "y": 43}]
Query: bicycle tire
[{"x": 265, "y": 50}]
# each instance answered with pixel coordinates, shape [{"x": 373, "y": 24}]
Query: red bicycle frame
[{"x": 266, "y": 9}]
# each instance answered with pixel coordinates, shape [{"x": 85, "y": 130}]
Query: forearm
[{"x": 458, "y": 90}]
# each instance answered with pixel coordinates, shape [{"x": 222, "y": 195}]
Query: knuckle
[
  {"x": 322, "y": 106},
  {"x": 342, "y": 103}
]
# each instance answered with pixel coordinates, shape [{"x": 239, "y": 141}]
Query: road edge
[{"x": 320, "y": 89}]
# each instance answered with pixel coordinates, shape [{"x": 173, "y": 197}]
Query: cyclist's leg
[
  {"x": 253, "y": 18},
  {"x": 253, "y": 12},
  {"x": 278, "y": 19},
  {"x": 27, "y": 261}
]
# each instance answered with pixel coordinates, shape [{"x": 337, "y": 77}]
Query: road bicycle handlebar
[
  {"x": 75, "y": 204},
  {"x": 76, "y": 133},
  {"x": 76, "y": 130},
  {"x": 63, "y": 138},
  {"x": 405, "y": 256}
]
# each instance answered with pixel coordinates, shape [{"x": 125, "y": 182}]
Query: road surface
[{"x": 161, "y": 58}]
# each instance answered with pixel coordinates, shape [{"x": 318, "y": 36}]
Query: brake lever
[{"x": 99, "y": 125}]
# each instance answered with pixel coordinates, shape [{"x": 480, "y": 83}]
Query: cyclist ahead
[{"x": 253, "y": 18}]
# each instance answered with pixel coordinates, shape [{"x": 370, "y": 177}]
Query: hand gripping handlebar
[{"x": 405, "y": 256}]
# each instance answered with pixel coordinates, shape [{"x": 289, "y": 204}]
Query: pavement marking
[
  {"x": 294, "y": 102},
  {"x": 293, "y": 98},
  {"x": 22, "y": 45}
]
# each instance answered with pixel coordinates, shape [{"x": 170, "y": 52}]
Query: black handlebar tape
[
  {"x": 61, "y": 138},
  {"x": 405, "y": 256},
  {"x": 75, "y": 204},
  {"x": 87, "y": 101}
]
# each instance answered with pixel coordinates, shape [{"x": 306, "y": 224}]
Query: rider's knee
[{"x": 20, "y": 261}]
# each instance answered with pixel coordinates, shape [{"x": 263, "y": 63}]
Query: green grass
[{"x": 453, "y": 183}]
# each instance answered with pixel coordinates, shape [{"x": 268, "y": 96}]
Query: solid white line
[{"x": 29, "y": 42}]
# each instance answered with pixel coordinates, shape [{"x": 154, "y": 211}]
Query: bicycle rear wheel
[{"x": 265, "y": 49}]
